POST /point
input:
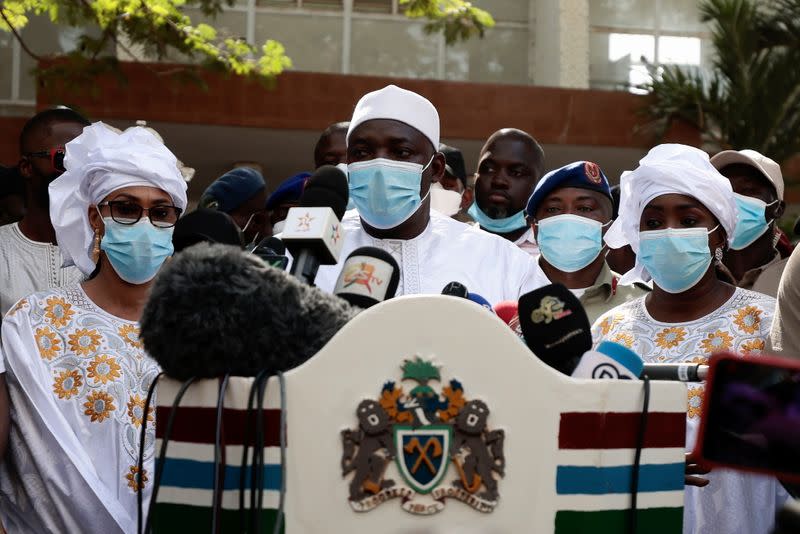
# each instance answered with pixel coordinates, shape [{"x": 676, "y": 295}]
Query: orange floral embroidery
[
  {"x": 754, "y": 346},
  {"x": 702, "y": 360},
  {"x": 84, "y": 341},
  {"x": 695, "y": 402},
  {"x": 103, "y": 369},
  {"x": 608, "y": 323},
  {"x": 130, "y": 334},
  {"x": 716, "y": 342},
  {"x": 18, "y": 306},
  {"x": 134, "y": 481},
  {"x": 136, "y": 410},
  {"x": 99, "y": 406},
  {"x": 670, "y": 337},
  {"x": 67, "y": 384},
  {"x": 624, "y": 339},
  {"x": 49, "y": 345},
  {"x": 748, "y": 319},
  {"x": 58, "y": 312}
]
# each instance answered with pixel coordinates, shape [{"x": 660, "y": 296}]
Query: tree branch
[{"x": 18, "y": 36}]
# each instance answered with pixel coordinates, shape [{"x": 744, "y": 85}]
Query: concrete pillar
[{"x": 560, "y": 55}]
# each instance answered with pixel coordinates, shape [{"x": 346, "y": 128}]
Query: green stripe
[
  {"x": 170, "y": 518},
  {"x": 650, "y": 521}
]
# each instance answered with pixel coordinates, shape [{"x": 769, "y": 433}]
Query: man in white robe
[{"x": 392, "y": 162}]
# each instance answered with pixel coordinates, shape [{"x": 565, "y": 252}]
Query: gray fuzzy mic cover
[{"x": 215, "y": 309}]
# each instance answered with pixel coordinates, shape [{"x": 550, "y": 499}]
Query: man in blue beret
[
  {"x": 569, "y": 212},
  {"x": 286, "y": 196},
  {"x": 242, "y": 194}
]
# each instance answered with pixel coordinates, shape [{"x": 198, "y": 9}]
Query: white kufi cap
[{"x": 398, "y": 104}]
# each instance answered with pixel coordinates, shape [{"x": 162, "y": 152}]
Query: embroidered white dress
[
  {"x": 78, "y": 378},
  {"x": 733, "y": 502},
  {"x": 446, "y": 251},
  {"x": 28, "y": 266}
]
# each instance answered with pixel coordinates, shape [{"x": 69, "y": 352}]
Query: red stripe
[
  {"x": 198, "y": 425},
  {"x": 588, "y": 430}
]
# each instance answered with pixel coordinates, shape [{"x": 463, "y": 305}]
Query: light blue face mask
[
  {"x": 569, "y": 242},
  {"x": 386, "y": 192},
  {"x": 505, "y": 225},
  {"x": 676, "y": 258},
  {"x": 752, "y": 221},
  {"x": 136, "y": 251}
]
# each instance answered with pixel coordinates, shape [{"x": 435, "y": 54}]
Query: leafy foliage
[
  {"x": 420, "y": 370},
  {"x": 162, "y": 30},
  {"x": 752, "y": 97}
]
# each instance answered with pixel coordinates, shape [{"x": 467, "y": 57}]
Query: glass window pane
[
  {"x": 6, "y": 53},
  {"x": 635, "y": 46},
  {"x": 505, "y": 10},
  {"x": 392, "y": 48},
  {"x": 679, "y": 50},
  {"x": 680, "y": 16},
  {"x": 373, "y": 6},
  {"x": 313, "y": 43},
  {"x": 228, "y": 23},
  {"x": 623, "y": 13},
  {"x": 604, "y": 72},
  {"x": 500, "y": 57}
]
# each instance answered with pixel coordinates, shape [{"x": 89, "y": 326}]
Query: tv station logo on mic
[
  {"x": 364, "y": 275},
  {"x": 550, "y": 309}
]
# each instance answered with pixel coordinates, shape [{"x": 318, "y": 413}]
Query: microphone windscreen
[
  {"x": 327, "y": 187},
  {"x": 275, "y": 244},
  {"x": 480, "y": 301},
  {"x": 610, "y": 360},
  {"x": 555, "y": 326},
  {"x": 369, "y": 275},
  {"x": 506, "y": 310},
  {"x": 205, "y": 225},
  {"x": 456, "y": 289},
  {"x": 214, "y": 309}
]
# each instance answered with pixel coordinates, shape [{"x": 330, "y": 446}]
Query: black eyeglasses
[
  {"x": 129, "y": 213},
  {"x": 55, "y": 155}
]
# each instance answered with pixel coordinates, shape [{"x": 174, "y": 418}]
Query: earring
[
  {"x": 718, "y": 254},
  {"x": 96, "y": 246}
]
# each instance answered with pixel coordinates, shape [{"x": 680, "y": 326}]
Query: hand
[{"x": 692, "y": 470}]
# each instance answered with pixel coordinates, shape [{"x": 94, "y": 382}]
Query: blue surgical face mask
[
  {"x": 569, "y": 242},
  {"x": 386, "y": 192},
  {"x": 136, "y": 251},
  {"x": 505, "y": 225},
  {"x": 752, "y": 221},
  {"x": 350, "y": 204},
  {"x": 676, "y": 258}
]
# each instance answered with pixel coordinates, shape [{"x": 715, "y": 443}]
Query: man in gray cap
[{"x": 393, "y": 158}]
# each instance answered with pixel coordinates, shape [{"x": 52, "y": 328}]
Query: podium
[{"x": 426, "y": 414}]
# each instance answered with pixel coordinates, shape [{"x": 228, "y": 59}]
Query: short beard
[{"x": 497, "y": 212}]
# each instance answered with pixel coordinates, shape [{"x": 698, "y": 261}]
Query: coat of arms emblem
[{"x": 405, "y": 443}]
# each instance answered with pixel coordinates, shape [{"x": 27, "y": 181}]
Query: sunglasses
[{"x": 55, "y": 155}]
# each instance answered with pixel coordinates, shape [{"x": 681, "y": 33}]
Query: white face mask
[
  {"x": 277, "y": 228},
  {"x": 445, "y": 201}
]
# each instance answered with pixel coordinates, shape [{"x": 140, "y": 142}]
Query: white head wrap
[
  {"x": 398, "y": 104},
  {"x": 669, "y": 168},
  {"x": 99, "y": 162}
]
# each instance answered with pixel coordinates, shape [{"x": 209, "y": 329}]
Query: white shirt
[
  {"x": 446, "y": 251},
  {"x": 527, "y": 243},
  {"x": 29, "y": 266},
  {"x": 77, "y": 378}
]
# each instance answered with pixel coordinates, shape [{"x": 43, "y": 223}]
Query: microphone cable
[
  {"x": 257, "y": 466},
  {"x": 282, "y": 496},
  {"x": 632, "y": 517},
  {"x": 219, "y": 456},
  {"x": 243, "y": 468},
  {"x": 140, "y": 461},
  {"x": 162, "y": 455}
]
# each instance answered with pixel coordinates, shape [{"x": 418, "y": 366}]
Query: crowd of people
[{"x": 682, "y": 260}]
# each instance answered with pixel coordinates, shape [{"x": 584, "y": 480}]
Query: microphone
[
  {"x": 480, "y": 301},
  {"x": 215, "y": 309},
  {"x": 369, "y": 276},
  {"x": 312, "y": 232},
  {"x": 681, "y": 372},
  {"x": 609, "y": 360},
  {"x": 507, "y": 311},
  {"x": 456, "y": 289},
  {"x": 555, "y": 326},
  {"x": 273, "y": 252}
]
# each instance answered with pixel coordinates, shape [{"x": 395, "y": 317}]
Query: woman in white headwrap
[
  {"x": 678, "y": 214},
  {"x": 77, "y": 374}
]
